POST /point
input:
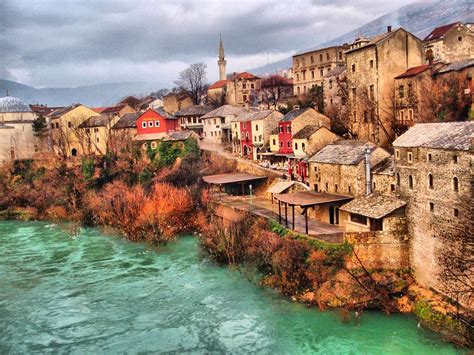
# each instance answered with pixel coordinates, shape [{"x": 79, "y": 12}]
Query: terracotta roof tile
[
  {"x": 218, "y": 84},
  {"x": 413, "y": 71},
  {"x": 439, "y": 32}
]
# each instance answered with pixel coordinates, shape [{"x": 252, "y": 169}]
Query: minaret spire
[{"x": 221, "y": 62}]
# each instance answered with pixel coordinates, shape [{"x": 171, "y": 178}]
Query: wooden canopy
[
  {"x": 232, "y": 178},
  {"x": 309, "y": 198}
]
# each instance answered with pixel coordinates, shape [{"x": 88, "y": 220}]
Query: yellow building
[
  {"x": 97, "y": 131},
  {"x": 67, "y": 138}
]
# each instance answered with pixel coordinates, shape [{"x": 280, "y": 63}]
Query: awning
[
  {"x": 374, "y": 205},
  {"x": 280, "y": 186},
  {"x": 232, "y": 178},
  {"x": 149, "y": 136},
  {"x": 310, "y": 198},
  {"x": 266, "y": 153}
]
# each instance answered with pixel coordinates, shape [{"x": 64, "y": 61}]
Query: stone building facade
[
  {"x": 190, "y": 118},
  {"x": 16, "y": 132},
  {"x": 449, "y": 43},
  {"x": 309, "y": 68},
  {"x": 372, "y": 65},
  {"x": 335, "y": 93},
  {"x": 434, "y": 174},
  {"x": 340, "y": 167},
  {"x": 217, "y": 126},
  {"x": 174, "y": 102}
]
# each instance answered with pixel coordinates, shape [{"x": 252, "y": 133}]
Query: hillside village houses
[
  {"x": 217, "y": 124},
  {"x": 190, "y": 117}
]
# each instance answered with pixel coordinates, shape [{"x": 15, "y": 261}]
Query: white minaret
[{"x": 221, "y": 62}]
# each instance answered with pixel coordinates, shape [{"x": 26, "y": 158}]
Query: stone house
[
  {"x": 190, "y": 118},
  {"x": 97, "y": 132},
  {"x": 311, "y": 139},
  {"x": 372, "y": 65},
  {"x": 383, "y": 176},
  {"x": 131, "y": 101},
  {"x": 449, "y": 43},
  {"x": 217, "y": 124},
  {"x": 310, "y": 67},
  {"x": 118, "y": 110},
  {"x": 17, "y": 140},
  {"x": 255, "y": 128},
  {"x": 173, "y": 102},
  {"x": 67, "y": 138},
  {"x": 239, "y": 90},
  {"x": 124, "y": 130},
  {"x": 274, "y": 141},
  {"x": 296, "y": 120},
  {"x": 341, "y": 167},
  {"x": 335, "y": 92},
  {"x": 433, "y": 167}
]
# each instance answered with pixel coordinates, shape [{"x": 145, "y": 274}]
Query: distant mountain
[
  {"x": 93, "y": 95},
  {"x": 419, "y": 18}
]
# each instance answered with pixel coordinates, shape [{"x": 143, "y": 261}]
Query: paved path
[{"x": 263, "y": 207}]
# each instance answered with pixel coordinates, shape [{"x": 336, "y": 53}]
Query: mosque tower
[{"x": 221, "y": 62}]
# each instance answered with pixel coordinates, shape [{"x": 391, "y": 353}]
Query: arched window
[
  {"x": 430, "y": 181},
  {"x": 410, "y": 182},
  {"x": 74, "y": 152},
  {"x": 296, "y": 146},
  {"x": 398, "y": 179},
  {"x": 455, "y": 184}
]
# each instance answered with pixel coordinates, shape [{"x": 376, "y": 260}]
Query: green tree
[
  {"x": 191, "y": 149},
  {"x": 39, "y": 126},
  {"x": 168, "y": 152}
]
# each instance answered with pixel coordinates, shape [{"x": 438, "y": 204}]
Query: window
[
  {"x": 460, "y": 39},
  {"x": 430, "y": 181},
  {"x": 335, "y": 187},
  {"x": 312, "y": 59},
  {"x": 97, "y": 139},
  {"x": 330, "y": 84},
  {"x": 274, "y": 142},
  {"x": 96, "y": 130},
  {"x": 244, "y": 125},
  {"x": 392, "y": 187},
  {"x": 254, "y": 138},
  {"x": 244, "y": 86},
  {"x": 371, "y": 92},
  {"x": 331, "y": 102},
  {"x": 143, "y": 124},
  {"x": 252, "y": 86},
  {"x": 357, "y": 218},
  {"x": 431, "y": 207},
  {"x": 304, "y": 74},
  {"x": 288, "y": 144},
  {"x": 296, "y": 146},
  {"x": 157, "y": 123},
  {"x": 303, "y": 146},
  {"x": 371, "y": 63},
  {"x": 321, "y": 73},
  {"x": 349, "y": 188},
  {"x": 340, "y": 55},
  {"x": 281, "y": 144},
  {"x": 281, "y": 129},
  {"x": 153, "y": 145},
  {"x": 88, "y": 130},
  {"x": 297, "y": 63},
  {"x": 312, "y": 74},
  {"x": 256, "y": 127},
  {"x": 327, "y": 187},
  {"x": 315, "y": 187},
  {"x": 456, "y": 212},
  {"x": 401, "y": 91},
  {"x": 247, "y": 135},
  {"x": 304, "y": 88},
  {"x": 410, "y": 157},
  {"x": 373, "y": 185},
  {"x": 150, "y": 123},
  {"x": 398, "y": 179},
  {"x": 320, "y": 57},
  {"x": 354, "y": 93},
  {"x": 455, "y": 184},
  {"x": 455, "y": 159},
  {"x": 69, "y": 124},
  {"x": 297, "y": 76},
  {"x": 397, "y": 154},
  {"x": 288, "y": 129},
  {"x": 410, "y": 182},
  {"x": 429, "y": 157},
  {"x": 215, "y": 121},
  {"x": 353, "y": 68},
  {"x": 245, "y": 97},
  {"x": 298, "y": 90}
]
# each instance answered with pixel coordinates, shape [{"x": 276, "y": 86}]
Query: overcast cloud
[{"x": 73, "y": 43}]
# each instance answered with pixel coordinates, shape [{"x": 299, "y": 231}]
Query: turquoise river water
[{"x": 95, "y": 294}]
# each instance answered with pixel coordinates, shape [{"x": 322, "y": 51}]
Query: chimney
[
  {"x": 389, "y": 29},
  {"x": 368, "y": 180}
]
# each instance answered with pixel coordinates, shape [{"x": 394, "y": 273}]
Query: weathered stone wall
[
  {"x": 432, "y": 211},
  {"x": 378, "y": 250},
  {"x": 449, "y": 48}
]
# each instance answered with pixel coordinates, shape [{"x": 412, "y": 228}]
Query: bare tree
[
  {"x": 193, "y": 81},
  {"x": 275, "y": 89}
]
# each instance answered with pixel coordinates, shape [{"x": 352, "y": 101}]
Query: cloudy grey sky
[{"x": 66, "y": 43}]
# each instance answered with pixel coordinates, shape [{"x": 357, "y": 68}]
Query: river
[{"x": 101, "y": 294}]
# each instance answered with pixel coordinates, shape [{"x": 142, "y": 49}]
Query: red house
[
  {"x": 285, "y": 137},
  {"x": 154, "y": 125},
  {"x": 246, "y": 139}
]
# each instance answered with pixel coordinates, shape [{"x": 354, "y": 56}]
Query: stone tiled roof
[
  {"x": 374, "y": 205},
  {"x": 345, "y": 152},
  {"x": 194, "y": 110},
  {"x": 160, "y": 111},
  {"x": 456, "y": 66},
  {"x": 62, "y": 111},
  {"x": 253, "y": 116},
  {"x": 179, "y": 135},
  {"x": 445, "y": 135},
  {"x": 225, "y": 110},
  {"x": 336, "y": 71},
  {"x": 385, "y": 167},
  {"x": 95, "y": 121},
  {"x": 128, "y": 120},
  {"x": 305, "y": 132},
  {"x": 290, "y": 116}
]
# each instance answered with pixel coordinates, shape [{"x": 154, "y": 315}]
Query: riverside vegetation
[{"x": 157, "y": 195}]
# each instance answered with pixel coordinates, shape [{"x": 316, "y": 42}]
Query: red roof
[
  {"x": 98, "y": 109},
  {"x": 245, "y": 75},
  {"x": 218, "y": 84},
  {"x": 413, "y": 71},
  {"x": 439, "y": 31}
]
